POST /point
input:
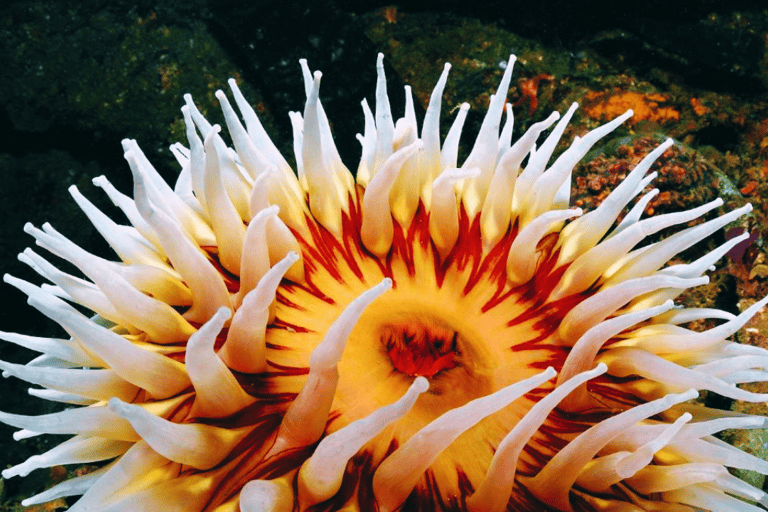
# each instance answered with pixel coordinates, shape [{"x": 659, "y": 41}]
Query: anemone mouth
[
  {"x": 310, "y": 341},
  {"x": 418, "y": 345}
]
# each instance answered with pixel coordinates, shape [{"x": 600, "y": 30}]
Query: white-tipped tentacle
[
  {"x": 126, "y": 241},
  {"x": 245, "y": 347},
  {"x": 450, "y": 152},
  {"x": 90, "y": 421},
  {"x": 226, "y": 222},
  {"x": 194, "y": 444},
  {"x": 607, "y": 470},
  {"x": 320, "y": 476},
  {"x": 94, "y": 384},
  {"x": 429, "y": 156},
  {"x": 160, "y": 376},
  {"x": 584, "y": 351},
  {"x": 77, "y": 450},
  {"x": 217, "y": 392},
  {"x": 537, "y": 162},
  {"x": 161, "y": 194},
  {"x": 493, "y": 494},
  {"x": 671, "y": 339},
  {"x": 266, "y": 496},
  {"x": 327, "y": 197},
  {"x": 255, "y": 257},
  {"x": 66, "y": 350},
  {"x": 72, "y": 487},
  {"x": 139, "y": 467},
  {"x": 128, "y": 207},
  {"x": 553, "y": 483},
  {"x": 588, "y": 267},
  {"x": 623, "y": 362},
  {"x": 546, "y": 186},
  {"x": 304, "y": 421},
  {"x": 485, "y": 151},
  {"x": 409, "y": 179},
  {"x": 377, "y": 229},
  {"x": 341, "y": 174},
  {"x": 661, "y": 252},
  {"x": 599, "y": 306},
  {"x": 522, "y": 259},
  {"x": 444, "y": 218},
  {"x": 583, "y": 234},
  {"x": 368, "y": 143},
  {"x": 396, "y": 477},
  {"x": 385, "y": 126}
]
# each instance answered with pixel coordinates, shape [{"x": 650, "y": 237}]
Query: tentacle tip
[
  {"x": 220, "y": 94},
  {"x": 420, "y": 384},
  {"x": 386, "y": 283},
  {"x": 224, "y": 313},
  {"x": 689, "y": 395},
  {"x": 117, "y": 406},
  {"x": 292, "y": 257}
]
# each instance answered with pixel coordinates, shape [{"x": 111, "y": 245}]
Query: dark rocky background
[{"x": 77, "y": 77}]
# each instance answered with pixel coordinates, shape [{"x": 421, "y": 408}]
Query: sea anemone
[{"x": 419, "y": 337}]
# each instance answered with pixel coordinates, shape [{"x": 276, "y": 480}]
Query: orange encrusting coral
[{"x": 646, "y": 107}]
